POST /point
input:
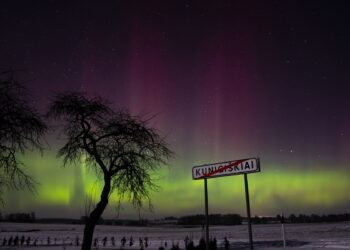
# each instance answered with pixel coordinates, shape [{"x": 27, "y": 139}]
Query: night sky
[{"x": 225, "y": 80}]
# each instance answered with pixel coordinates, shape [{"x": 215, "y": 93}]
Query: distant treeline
[
  {"x": 302, "y": 218},
  {"x": 18, "y": 217},
  {"x": 199, "y": 219},
  {"x": 236, "y": 219},
  {"x": 116, "y": 222},
  {"x": 30, "y": 218},
  {"x": 214, "y": 219}
]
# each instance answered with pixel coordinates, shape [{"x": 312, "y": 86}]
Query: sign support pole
[
  {"x": 206, "y": 215},
  {"x": 284, "y": 236},
  {"x": 243, "y": 166},
  {"x": 283, "y": 231},
  {"x": 248, "y": 211}
]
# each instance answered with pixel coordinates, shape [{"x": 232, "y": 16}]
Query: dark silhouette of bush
[{"x": 201, "y": 245}]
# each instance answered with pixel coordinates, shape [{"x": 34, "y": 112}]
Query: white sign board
[{"x": 236, "y": 167}]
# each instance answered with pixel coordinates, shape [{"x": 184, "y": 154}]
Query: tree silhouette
[
  {"x": 122, "y": 149},
  {"x": 21, "y": 128}
]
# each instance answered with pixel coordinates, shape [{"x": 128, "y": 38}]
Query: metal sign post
[
  {"x": 206, "y": 215},
  {"x": 245, "y": 166},
  {"x": 283, "y": 231},
  {"x": 248, "y": 211}
]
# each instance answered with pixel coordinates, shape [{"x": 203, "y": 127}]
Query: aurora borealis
[{"x": 224, "y": 80}]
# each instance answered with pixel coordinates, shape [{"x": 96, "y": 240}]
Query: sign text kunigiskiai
[{"x": 236, "y": 167}]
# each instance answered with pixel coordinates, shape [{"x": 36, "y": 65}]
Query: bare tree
[
  {"x": 122, "y": 149},
  {"x": 21, "y": 128}
]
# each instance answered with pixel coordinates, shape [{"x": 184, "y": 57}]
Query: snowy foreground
[{"x": 303, "y": 236}]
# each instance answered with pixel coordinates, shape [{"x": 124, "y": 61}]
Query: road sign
[
  {"x": 206, "y": 171},
  {"x": 236, "y": 167}
]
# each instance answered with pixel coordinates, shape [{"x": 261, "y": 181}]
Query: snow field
[{"x": 303, "y": 236}]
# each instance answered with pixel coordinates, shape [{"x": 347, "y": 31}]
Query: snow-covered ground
[{"x": 61, "y": 236}]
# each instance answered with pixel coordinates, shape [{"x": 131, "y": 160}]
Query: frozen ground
[{"x": 299, "y": 236}]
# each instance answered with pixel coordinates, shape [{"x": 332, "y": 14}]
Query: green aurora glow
[{"x": 271, "y": 191}]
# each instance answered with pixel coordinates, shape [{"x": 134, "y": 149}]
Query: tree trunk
[{"x": 96, "y": 214}]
